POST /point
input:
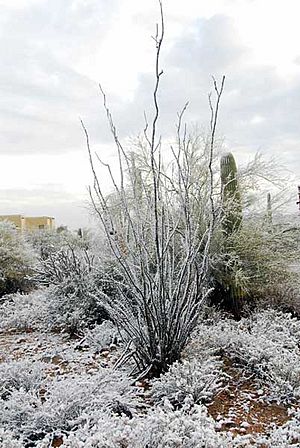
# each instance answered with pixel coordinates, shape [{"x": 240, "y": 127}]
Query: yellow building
[
  {"x": 39, "y": 222},
  {"x": 17, "y": 220},
  {"x": 30, "y": 222}
]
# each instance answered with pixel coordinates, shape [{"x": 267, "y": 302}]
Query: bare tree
[{"x": 159, "y": 238}]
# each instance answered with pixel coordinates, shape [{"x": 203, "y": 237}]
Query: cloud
[
  {"x": 43, "y": 92},
  {"x": 58, "y": 48},
  {"x": 259, "y": 108},
  {"x": 45, "y": 89},
  {"x": 66, "y": 208}
]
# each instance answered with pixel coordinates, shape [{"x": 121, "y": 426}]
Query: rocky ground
[{"x": 238, "y": 386}]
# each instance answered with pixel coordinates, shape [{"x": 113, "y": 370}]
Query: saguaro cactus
[
  {"x": 231, "y": 196},
  {"x": 269, "y": 210},
  {"x": 232, "y": 218}
]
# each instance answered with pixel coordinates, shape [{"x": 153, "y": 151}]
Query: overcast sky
[{"x": 55, "y": 52}]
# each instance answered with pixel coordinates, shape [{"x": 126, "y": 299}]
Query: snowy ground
[{"x": 238, "y": 385}]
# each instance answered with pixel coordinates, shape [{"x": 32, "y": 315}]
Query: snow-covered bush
[
  {"x": 199, "y": 379},
  {"x": 61, "y": 404},
  {"x": 24, "y": 312},
  {"x": 63, "y": 254},
  {"x": 18, "y": 412},
  {"x": 101, "y": 336},
  {"x": 69, "y": 272},
  {"x": 78, "y": 399},
  {"x": 21, "y": 375},
  {"x": 7, "y": 440},
  {"x": 71, "y": 307},
  {"x": 266, "y": 343},
  {"x": 158, "y": 222},
  {"x": 159, "y": 429},
  {"x": 16, "y": 260},
  {"x": 243, "y": 270},
  {"x": 180, "y": 429},
  {"x": 45, "y": 242},
  {"x": 263, "y": 256}
]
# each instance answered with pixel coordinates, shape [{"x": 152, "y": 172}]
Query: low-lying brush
[
  {"x": 267, "y": 344},
  {"x": 198, "y": 380}
]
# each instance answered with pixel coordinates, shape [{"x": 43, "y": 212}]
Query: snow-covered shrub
[
  {"x": 69, "y": 401},
  {"x": 69, "y": 271},
  {"x": 248, "y": 261},
  {"x": 180, "y": 429},
  {"x": 18, "y": 412},
  {"x": 159, "y": 222},
  {"x": 159, "y": 429},
  {"x": 61, "y": 404},
  {"x": 21, "y": 375},
  {"x": 7, "y": 440},
  {"x": 45, "y": 242},
  {"x": 108, "y": 432},
  {"x": 264, "y": 256},
  {"x": 266, "y": 343},
  {"x": 22, "y": 312},
  {"x": 16, "y": 260},
  {"x": 101, "y": 336},
  {"x": 199, "y": 379},
  {"x": 70, "y": 306}
]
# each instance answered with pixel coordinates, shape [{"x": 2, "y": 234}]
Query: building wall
[
  {"x": 39, "y": 222},
  {"x": 30, "y": 222},
  {"x": 17, "y": 220}
]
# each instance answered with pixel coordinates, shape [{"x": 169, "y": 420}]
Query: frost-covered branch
[{"x": 158, "y": 225}]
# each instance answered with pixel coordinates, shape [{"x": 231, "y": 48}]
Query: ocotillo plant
[
  {"x": 165, "y": 270},
  {"x": 231, "y": 197}
]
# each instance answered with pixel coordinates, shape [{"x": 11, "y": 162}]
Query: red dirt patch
[
  {"x": 241, "y": 408},
  {"x": 57, "y": 441}
]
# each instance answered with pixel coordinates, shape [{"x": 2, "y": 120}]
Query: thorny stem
[
  {"x": 213, "y": 127},
  {"x": 158, "y": 73},
  {"x": 160, "y": 267}
]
